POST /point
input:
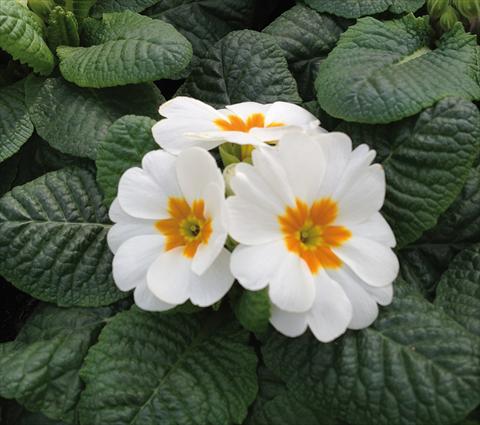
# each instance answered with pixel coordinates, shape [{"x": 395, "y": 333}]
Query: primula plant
[{"x": 240, "y": 212}]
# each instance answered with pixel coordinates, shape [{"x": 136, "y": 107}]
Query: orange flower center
[
  {"x": 309, "y": 232},
  {"x": 235, "y": 123},
  {"x": 187, "y": 226}
]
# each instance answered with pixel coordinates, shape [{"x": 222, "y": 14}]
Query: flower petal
[
  {"x": 373, "y": 262},
  {"x": 183, "y": 107},
  {"x": 250, "y": 225},
  {"x": 169, "y": 277},
  {"x": 375, "y": 228},
  {"x": 245, "y": 109},
  {"x": 160, "y": 165},
  {"x": 288, "y": 324},
  {"x": 291, "y": 114},
  {"x": 140, "y": 196},
  {"x": 146, "y": 300},
  {"x": 211, "y": 286},
  {"x": 254, "y": 266},
  {"x": 304, "y": 163},
  {"x": 133, "y": 258},
  {"x": 196, "y": 169},
  {"x": 365, "y": 309},
  {"x": 331, "y": 312},
  {"x": 292, "y": 286},
  {"x": 382, "y": 295}
]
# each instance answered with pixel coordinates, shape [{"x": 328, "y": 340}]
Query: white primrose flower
[
  {"x": 189, "y": 122},
  {"x": 170, "y": 230},
  {"x": 306, "y": 215}
]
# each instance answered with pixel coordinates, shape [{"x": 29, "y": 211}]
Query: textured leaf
[
  {"x": 127, "y": 141},
  {"x": 53, "y": 240},
  {"x": 385, "y": 71},
  {"x": 15, "y": 125},
  {"x": 252, "y": 309},
  {"x": 62, "y": 29},
  {"x": 40, "y": 368},
  {"x": 80, "y": 8},
  {"x": 14, "y": 414},
  {"x": 414, "y": 365},
  {"x": 74, "y": 120},
  {"x": 458, "y": 292},
  {"x": 127, "y": 48},
  {"x": 21, "y": 35},
  {"x": 244, "y": 65},
  {"x": 109, "y": 6},
  {"x": 149, "y": 369},
  {"x": 306, "y": 38},
  {"x": 427, "y": 160},
  {"x": 357, "y": 8}
]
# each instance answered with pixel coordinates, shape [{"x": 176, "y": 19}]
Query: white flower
[
  {"x": 170, "y": 231},
  {"x": 190, "y": 122},
  {"x": 306, "y": 215}
]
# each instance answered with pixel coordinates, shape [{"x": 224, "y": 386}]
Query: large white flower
[
  {"x": 169, "y": 232},
  {"x": 189, "y": 122},
  {"x": 306, "y": 215}
]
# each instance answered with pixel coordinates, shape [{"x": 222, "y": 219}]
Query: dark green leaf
[
  {"x": 126, "y": 142},
  {"x": 385, "y": 71},
  {"x": 244, "y": 65},
  {"x": 74, "y": 120},
  {"x": 127, "y": 48},
  {"x": 53, "y": 240},
  {"x": 415, "y": 365},
  {"x": 149, "y": 369},
  {"x": 15, "y": 125},
  {"x": 252, "y": 309},
  {"x": 108, "y": 6}
]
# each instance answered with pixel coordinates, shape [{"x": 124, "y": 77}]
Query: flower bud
[
  {"x": 436, "y": 8},
  {"x": 468, "y": 8},
  {"x": 41, "y": 7},
  {"x": 448, "y": 19}
]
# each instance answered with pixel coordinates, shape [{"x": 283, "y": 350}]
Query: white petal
[
  {"x": 196, "y": 168},
  {"x": 249, "y": 224},
  {"x": 267, "y": 163},
  {"x": 364, "y": 198},
  {"x": 145, "y": 299},
  {"x": 215, "y": 208},
  {"x": 245, "y": 109},
  {"x": 169, "y": 277},
  {"x": 331, "y": 312},
  {"x": 160, "y": 165},
  {"x": 183, "y": 107},
  {"x": 288, "y": 324},
  {"x": 290, "y": 114},
  {"x": 304, "y": 163},
  {"x": 133, "y": 258},
  {"x": 375, "y": 228},
  {"x": 365, "y": 309},
  {"x": 374, "y": 263},
  {"x": 250, "y": 186},
  {"x": 209, "y": 288},
  {"x": 292, "y": 287},
  {"x": 116, "y": 213},
  {"x": 140, "y": 196},
  {"x": 238, "y": 137},
  {"x": 382, "y": 296},
  {"x": 337, "y": 148},
  {"x": 254, "y": 266}
]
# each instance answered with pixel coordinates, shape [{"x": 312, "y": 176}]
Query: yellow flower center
[
  {"x": 187, "y": 226},
  {"x": 309, "y": 232}
]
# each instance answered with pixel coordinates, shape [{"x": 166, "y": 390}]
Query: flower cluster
[{"x": 304, "y": 212}]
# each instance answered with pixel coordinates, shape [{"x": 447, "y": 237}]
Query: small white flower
[
  {"x": 306, "y": 215},
  {"x": 189, "y": 122},
  {"x": 170, "y": 231}
]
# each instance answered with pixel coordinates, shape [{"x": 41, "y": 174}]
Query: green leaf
[
  {"x": 306, "y": 38},
  {"x": 458, "y": 292},
  {"x": 244, "y": 65},
  {"x": 150, "y": 368},
  {"x": 109, "y": 6},
  {"x": 413, "y": 365},
  {"x": 252, "y": 309},
  {"x": 385, "y": 71},
  {"x": 80, "y": 8},
  {"x": 427, "y": 160},
  {"x": 21, "y": 35},
  {"x": 15, "y": 125},
  {"x": 74, "y": 120},
  {"x": 357, "y": 8},
  {"x": 12, "y": 413},
  {"x": 128, "y": 48},
  {"x": 40, "y": 369},
  {"x": 126, "y": 142},
  {"x": 53, "y": 240},
  {"x": 62, "y": 29}
]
